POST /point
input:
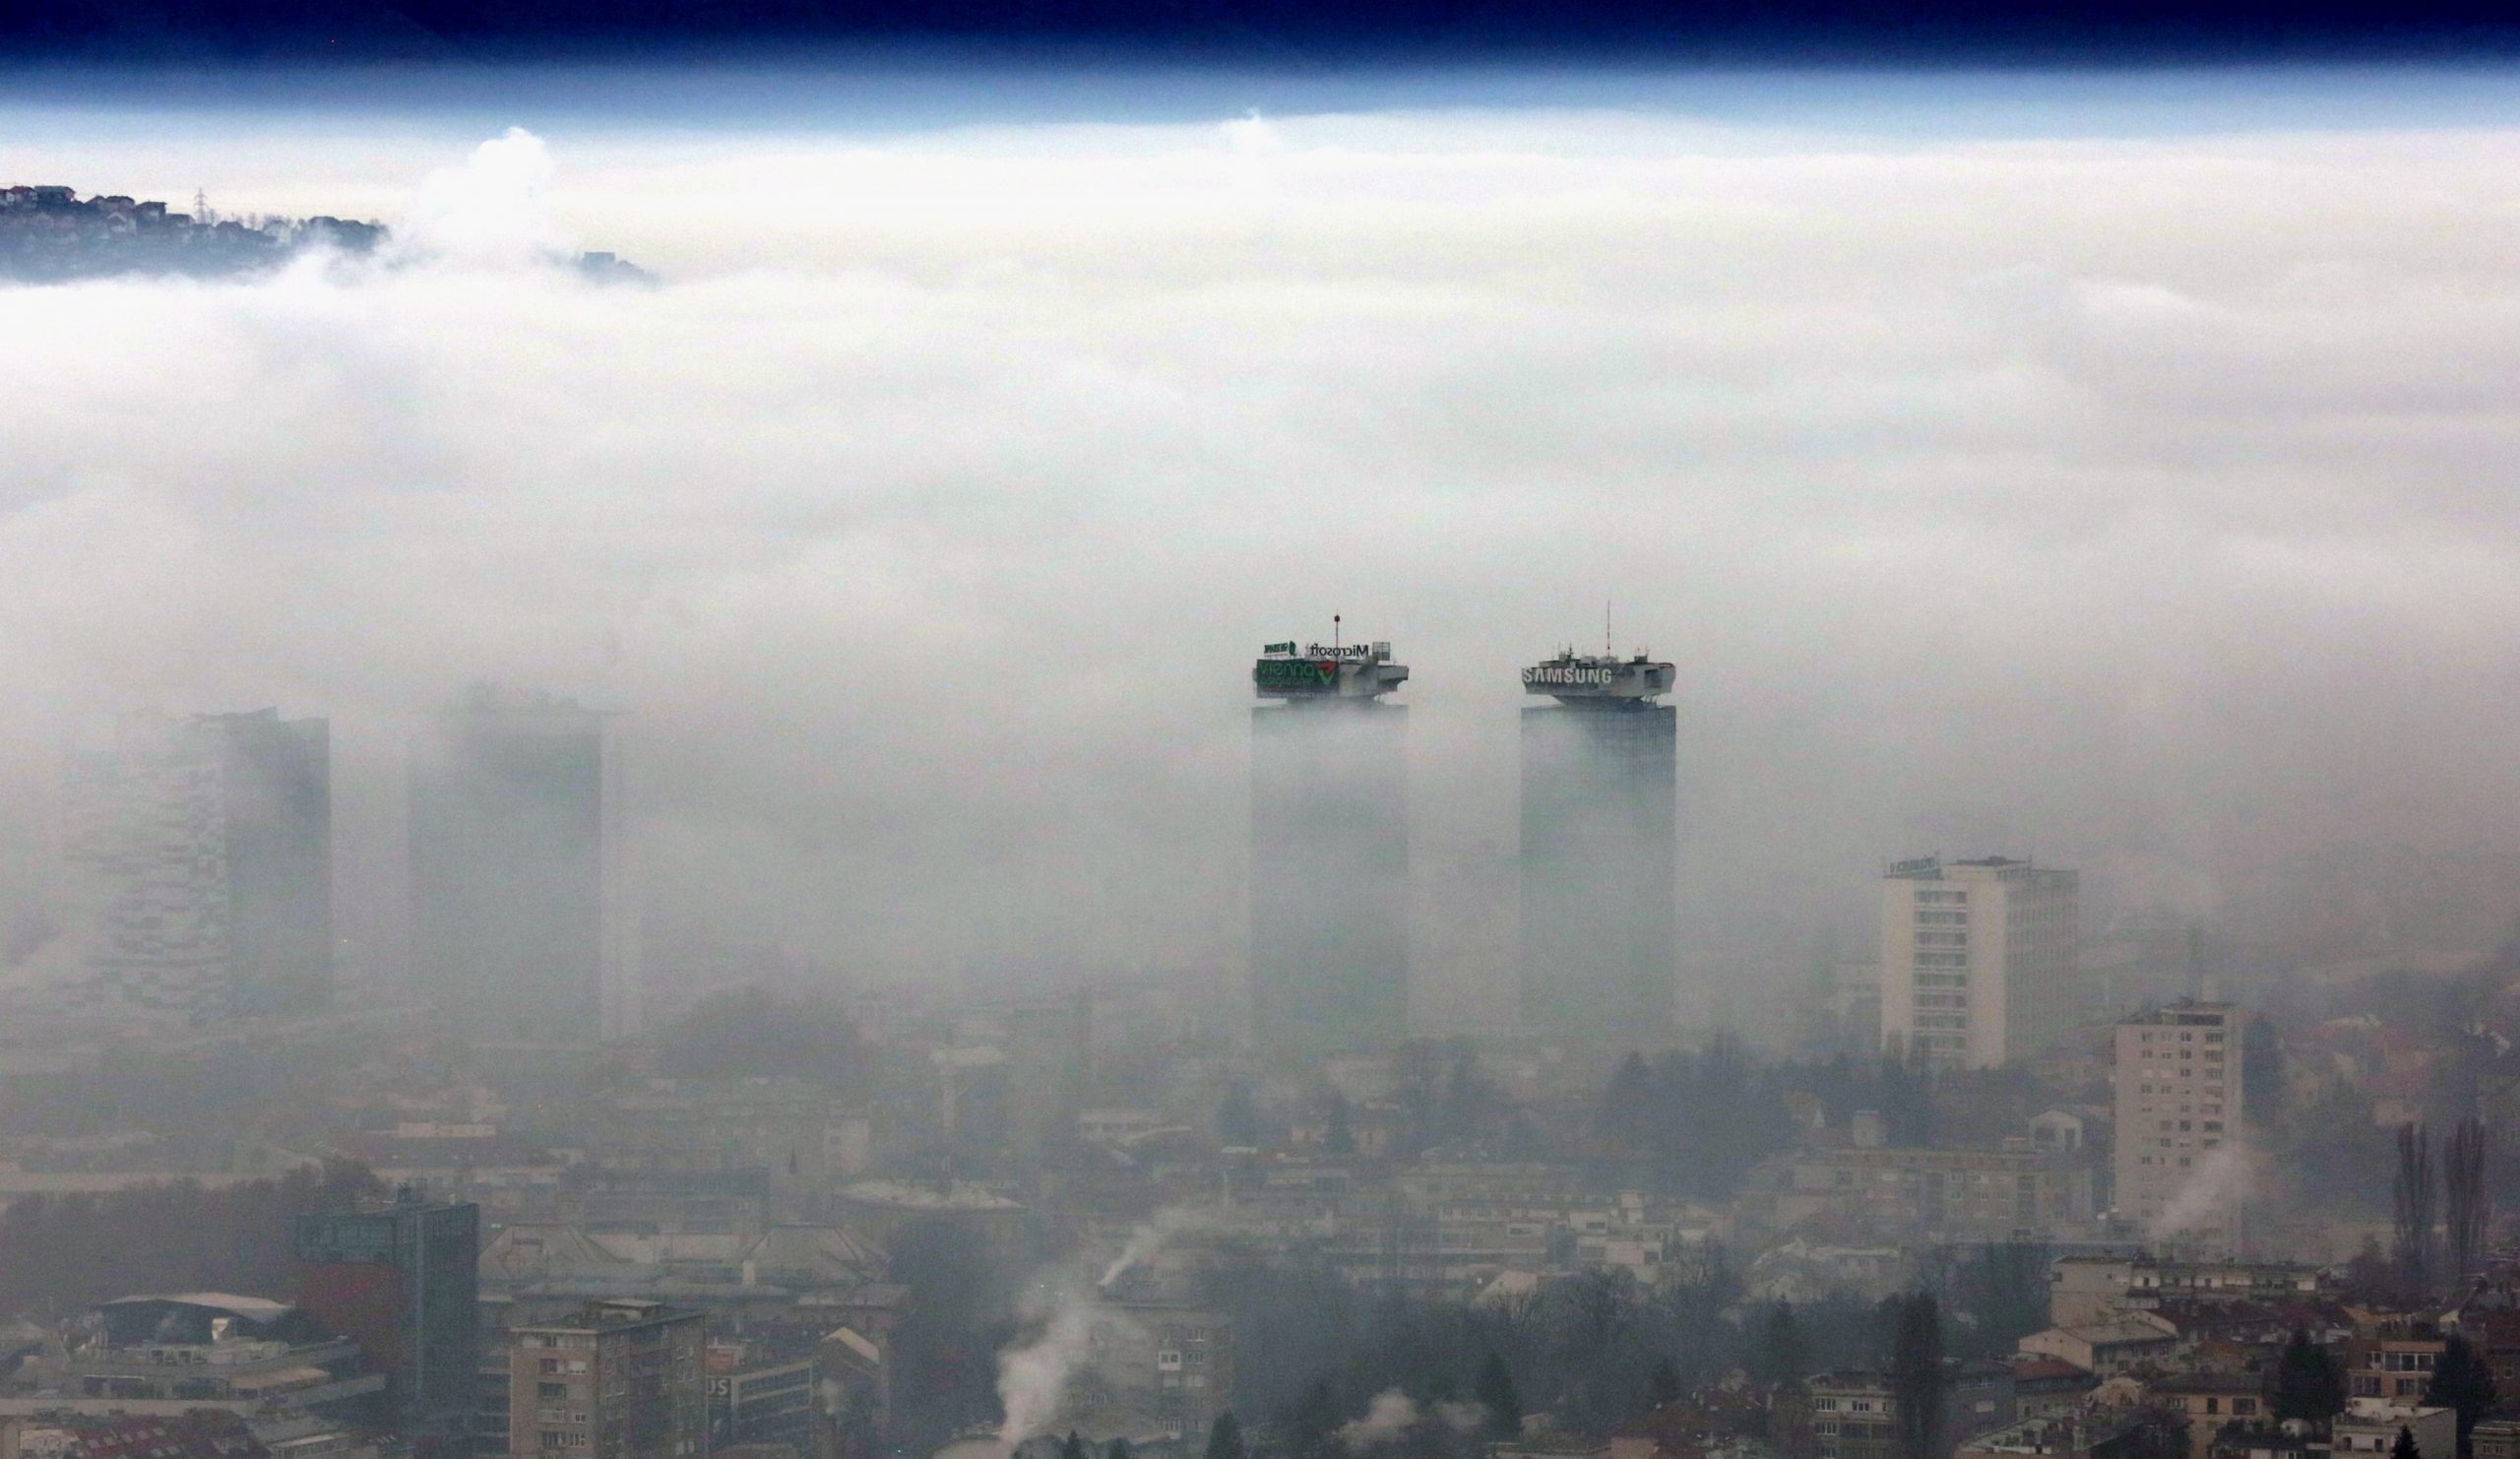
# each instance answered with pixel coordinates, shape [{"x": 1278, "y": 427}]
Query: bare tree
[
  {"x": 2415, "y": 1204},
  {"x": 2469, "y": 1204}
]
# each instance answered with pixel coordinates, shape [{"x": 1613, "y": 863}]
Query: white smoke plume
[
  {"x": 1391, "y": 1415},
  {"x": 488, "y": 213},
  {"x": 1148, "y": 1238},
  {"x": 1394, "y": 1413},
  {"x": 1033, "y": 1377},
  {"x": 2211, "y": 1196}
]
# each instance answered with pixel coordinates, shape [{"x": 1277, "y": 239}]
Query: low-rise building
[
  {"x": 2106, "y": 1348},
  {"x": 1853, "y": 1413},
  {"x": 2005, "y": 1194},
  {"x": 2209, "y": 1401},
  {"x": 2076, "y": 1433},
  {"x": 2370, "y": 1426},
  {"x": 2392, "y": 1364}
]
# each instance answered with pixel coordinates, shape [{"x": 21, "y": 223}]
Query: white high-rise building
[
  {"x": 200, "y": 860},
  {"x": 1979, "y": 959},
  {"x": 2178, "y": 1158}
]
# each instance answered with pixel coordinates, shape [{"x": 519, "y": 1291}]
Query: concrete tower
[
  {"x": 1979, "y": 959},
  {"x": 515, "y": 874},
  {"x": 1329, "y": 849},
  {"x": 1599, "y": 847}
]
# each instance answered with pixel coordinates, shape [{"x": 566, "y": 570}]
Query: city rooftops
[
  {"x": 614, "y": 1313},
  {"x": 2184, "y": 1011},
  {"x": 1935, "y": 868}
]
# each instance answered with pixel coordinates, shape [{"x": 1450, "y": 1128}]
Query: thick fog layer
[{"x": 2142, "y": 505}]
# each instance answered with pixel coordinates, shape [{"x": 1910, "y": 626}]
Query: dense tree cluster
[
  {"x": 961, "y": 1311},
  {"x": 60, "y": 1254},
  {"x": 1594, "y": 1350},
  {"x": 760, "y": 1033},
  {"x": 2309, "y": 1383},
  {"x": 2462, "y": 1381},
  {"x": 1694, "y": 1122}
]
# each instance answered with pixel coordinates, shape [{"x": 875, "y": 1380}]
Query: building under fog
[
  {"x": 1600, "y": 842},
  {"x": 202, "y": 862},
  {"x": 1329, "y": 848},
  {"x": 2178, "y": 1113},
  {"x": 1979, "y": 959},
  {"x": 515, "y": 875}
]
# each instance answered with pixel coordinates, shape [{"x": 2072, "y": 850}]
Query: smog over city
[{"x": 1421, "y": 731}]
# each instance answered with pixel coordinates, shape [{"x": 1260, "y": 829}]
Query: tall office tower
[
  {"x": 1979, "y": 959},
  {"x": 1601, "y": 842},
  {"x": 203, "y": 854},
  {"x": 1329, "y": 849},
  {"x": 514, "y": 873},
  {"x": 403, "y": 1280},
  {"x": 620, "y": 1380},
  {"x": 2179, "y": 1124}
]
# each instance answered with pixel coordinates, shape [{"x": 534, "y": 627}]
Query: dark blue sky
[{"x": 1276, "y": 33}]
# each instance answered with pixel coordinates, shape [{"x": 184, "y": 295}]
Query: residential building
[
  {"x": 2106, "y": 1348},
  {"x": 2496, "y": 1438},
  {"x": 1979, "y": 959},
  {"x": 1172, "y": 1362},
  {"x": 1853, "y": 1413},
  {"x": 1329, "y": 849},
  {"x": 2082, "y": 1288},
  {"x": 2077, "y": 1434},
  {"x": 2001, "y": 1194},
  {"x": 2371, "y": 1426},
  {"x": 2044, "y": 1385},
  {"x": 1599, "y": 856},
  {"x": 2209, "y": 1400},
  {"x": 2181, "y": 1121},
  {"x": 201, "y": 860},
  {"x": 402, "y": 1280},
  {"x": 622, "y": 1380},
  {"x": 2392, "y": 1363},
  {"x": 518, "y": 931}
]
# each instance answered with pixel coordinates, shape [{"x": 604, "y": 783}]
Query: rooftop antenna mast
[
  {"x": 1334, "y": 633},
  {"x": 1609, "y": 648}
]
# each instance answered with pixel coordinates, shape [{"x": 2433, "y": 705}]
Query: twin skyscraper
[{"x": 1330, "y": 900}]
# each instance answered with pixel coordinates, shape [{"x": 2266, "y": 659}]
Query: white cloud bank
[{"x": 2146, "y": 505}]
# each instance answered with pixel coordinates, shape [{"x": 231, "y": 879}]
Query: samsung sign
[{"x": 1573, "y": 675}]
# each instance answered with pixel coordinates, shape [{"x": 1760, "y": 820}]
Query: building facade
[
  {"x": 1329, "y": 849},
  {"x": 516, "y": 931},
  {"x": 622, "y": 1380},
  {"x": 404, "y": 1281},
  {"x": 1964, "y": 1194},
  {"x": 1979, "y": 959},
  {"x": 760, "y": 1397},
  {"x": 202, "y": 856},
  {"x": 1600, "y": 848},
  {"x": 1855, "y": 1413},
  {"x": 2181, "y": 1119}
]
